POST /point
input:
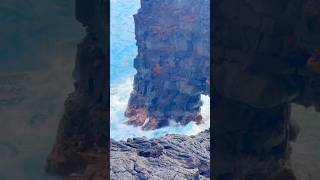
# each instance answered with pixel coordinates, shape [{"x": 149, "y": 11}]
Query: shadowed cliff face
[
  {"x": 82, "y": 136},
  {"x": 80, "y": 148},
  {"x": 258, "y": 70},
  {"x": 172, "y": 63},
  {"x": 266, "y": 57},
  {"x": 275, "y": 47}
]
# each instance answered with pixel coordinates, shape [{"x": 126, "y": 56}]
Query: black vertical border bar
[
  {"x": 107, "y": 21},
  {"x": 212, "y": 36}
]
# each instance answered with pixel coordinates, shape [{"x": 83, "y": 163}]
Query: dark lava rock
[
  {"x": 266, "y": 54},
  {"x": 172, "y": 63},
  {"x": 168, "y": 157},
  {"x": 153, "y": 151},
  {"x": 267, "y": 57},
  {"x": 82, "y": 129}
]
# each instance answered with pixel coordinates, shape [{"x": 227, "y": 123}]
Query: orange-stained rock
[
  {"x": 152, "y": 124},
  {"x": 173, "y": 61},
  {"x": 137, "y": 117},
  {"x": 314, "y": 62}
]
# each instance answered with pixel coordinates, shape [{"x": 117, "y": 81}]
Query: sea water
[
  {"x": 123, "y": 51},
  {"x": 38, "y": 40}
]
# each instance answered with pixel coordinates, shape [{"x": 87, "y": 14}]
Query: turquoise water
[
  {"x": 123, "y": 44},
  {"x": 123, "y": 51}
]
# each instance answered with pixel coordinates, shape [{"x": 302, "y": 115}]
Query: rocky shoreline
[{"x": 169, "y": 157}]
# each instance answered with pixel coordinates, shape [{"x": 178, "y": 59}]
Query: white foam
[
  {"x": 123, "y": 51},
  {"x": 120, "y": 94}
]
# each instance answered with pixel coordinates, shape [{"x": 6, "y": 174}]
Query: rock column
[
  {"x": 81, "y": 144},
  {"x": 172, "y": 62},
  {"x": 265, "y": 57}
]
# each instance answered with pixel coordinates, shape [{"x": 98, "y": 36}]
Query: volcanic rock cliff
[
  {"x": 266, "y": 56},
  {"x": 81, "y": 146},
  {"x": 172, "y": 36},
  {"x": 173, "y": 62}
]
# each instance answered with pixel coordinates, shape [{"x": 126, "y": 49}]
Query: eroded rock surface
[
  {"x": 266, "y": 56},
  {"x": 172, "y": 63},
  {"x": 169, "y": 157},
  {"x": 80, "y": 150}
]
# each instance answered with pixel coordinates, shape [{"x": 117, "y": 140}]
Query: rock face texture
[
  {"x": 80, "y": 151},
  {"x": 266, "y": 56},
  {"x": 173, "y": 62},
  {"x": 169, "y": 157}
]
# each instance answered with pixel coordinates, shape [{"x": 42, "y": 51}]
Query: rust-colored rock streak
[{"x": 172, "y": 63}]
